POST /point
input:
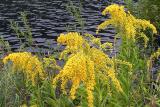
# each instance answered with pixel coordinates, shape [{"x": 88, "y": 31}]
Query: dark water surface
[{"x": 49, "y": 18}]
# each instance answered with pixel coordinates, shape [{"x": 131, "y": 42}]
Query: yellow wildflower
[
  {"x": 104, "y": 25},
  {"x": 89, "y": 35},
  {"x": 99, "y": 58},
  {"x": 105, "y": 45},
  {"x": 73, "y": 40},
  {"x": 104, "y": 63},
  {"x": 126, "y": 24},
  {"x": 27, "y": 63},
  {"x": 152, "y": 57},
  {"x": 143, "y": 24},
  {"x": 78, "y": 68},
  {"x": 96, "y": 41},
  {"x": 82, "y": 64},
  {"x": 113, "y": 10},
  {"x": 111, "y": 74}
]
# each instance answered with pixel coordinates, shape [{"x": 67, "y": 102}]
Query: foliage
[
  {"x": 76, "y": 13},
  {"x": 23, "y": 34},
  {"x": 4, "y": 46}
]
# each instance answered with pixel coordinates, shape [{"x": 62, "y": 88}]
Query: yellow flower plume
[
  {"x": 126, "y": 24},
  {"x": 78, "y": 68},
  {"x": 73, "y": 40},
  {"x": 27, "y": 63},
  {"x": 83, "y": 63}
]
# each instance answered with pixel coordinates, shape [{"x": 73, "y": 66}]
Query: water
[{"x": 49, "y": 18}]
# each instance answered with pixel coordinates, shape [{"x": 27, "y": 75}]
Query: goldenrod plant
[
  {"x": 127, "y": 26},
  {"x": 130, "y": 30},
  {"x": 83, "y": 63},
  {"x": 26, "y": 63}
]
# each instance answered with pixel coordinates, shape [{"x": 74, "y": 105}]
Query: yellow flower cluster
[
  {"x": 83, "y": 63},
  {"x": 78, "y": 68},
  {"x": 143, "y": 24},
  {"x": 152, "y": 57},
  {"x": 26, "y": 63},
  {"x": 112, "y": 75},
  {"x": 73, "y": 40},
  {"x": 97, "y": 41},
  {"x": 127, "y": 25},
  {"x": 104, "y": 63},
  {"x": 106, "y": 45},
  {"x": 100, "y": 58}
]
